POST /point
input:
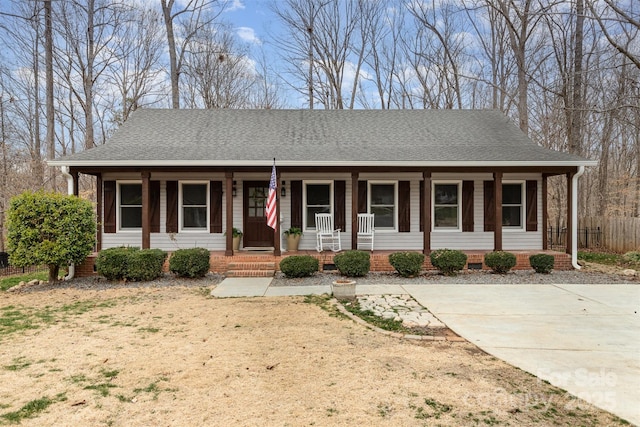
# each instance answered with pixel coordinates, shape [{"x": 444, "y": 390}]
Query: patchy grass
[
  {"x": 607, "y": 258},
  {"x": 19, "y": 363},
  {"x": 9, "y": 282},
  {"x": 15, "y": 319},
  {"x": 32, "y": 409}
]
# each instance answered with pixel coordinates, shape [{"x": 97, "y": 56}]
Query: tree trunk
[
  {"x": 575, "y": 125},
  {"x": 54, "y": 269},
  {"x": 48, "y": 40},
  {"x": 171, "y": 44}
]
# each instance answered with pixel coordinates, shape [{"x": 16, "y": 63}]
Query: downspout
[
  {"x": 574, "y": 218},
  {"x": 65, "y": 172}
]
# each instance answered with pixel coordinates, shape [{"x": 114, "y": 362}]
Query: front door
[{"x": 256, "y": 231}]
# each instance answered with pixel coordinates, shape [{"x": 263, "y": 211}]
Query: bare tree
[
  {"x": 137, "y": 71},
  {"x": 218, "y": 70},
  {"x": 187, "y": 21},
  {"x": 620, "y": 26}
]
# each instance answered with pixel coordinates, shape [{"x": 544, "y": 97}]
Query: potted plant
[
  {"x": 293, "y": 238},
  {"x": 237, "y": 234}
]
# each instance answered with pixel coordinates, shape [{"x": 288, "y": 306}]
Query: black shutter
[
  {"x": 109, "y": 207},
  {"x": 296, "y": 204},
  {"x": 339, "y": 206},
  {"x": 172, "y": 207},
  {"x": 467, "y": 205},
  {"x": 215, "y": 214},
  {"x": 362, "y": 196},
  {"x": 154, "y": 211},
  {"x": 404, "y": 208},
  {"x": 532, "y": 205},
  {"x": 489, "y": 207}
]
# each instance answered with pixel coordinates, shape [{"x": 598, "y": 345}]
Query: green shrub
[
  {"x": 130, "y": 263},
  {"x": 299, "y": 266},
  {"x": 633, "y": 256},
  {"x": 407, "y": 263},
  {"x": 145, "y": 264},
  {"x": 192, "y": 262},
  {"x": 499, "y": 261},
  {"x": 353, "y": 263},
  {"x": 542, "y": 263},
  {"x": 51, "y": 229},
  {"x": 113, "y": 263},
  {"x": 448, "y": 261}
]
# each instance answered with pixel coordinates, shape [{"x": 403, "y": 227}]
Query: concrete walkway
[{"x": 582, "y": 338}]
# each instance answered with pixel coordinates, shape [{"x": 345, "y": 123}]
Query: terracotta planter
[
  {"x": 344, "y": 289},
  {"x": 293, "y": 240}
]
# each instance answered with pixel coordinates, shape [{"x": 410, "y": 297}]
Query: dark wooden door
[{"x": 256, "y": 231}]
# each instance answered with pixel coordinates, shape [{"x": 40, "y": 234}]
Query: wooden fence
[{"x": 619, "y": 234}]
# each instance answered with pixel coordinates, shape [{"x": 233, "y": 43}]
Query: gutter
[
  {"x": 65, "y": 172},
  {"x": 574, "y": 218}
]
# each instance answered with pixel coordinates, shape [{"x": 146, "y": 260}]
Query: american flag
[{"x": 272, "y": 210}]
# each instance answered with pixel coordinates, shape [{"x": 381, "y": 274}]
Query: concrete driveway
[{"x": 582, "y": 338}]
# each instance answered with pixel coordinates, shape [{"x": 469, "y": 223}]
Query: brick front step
[
  {"x": 252, "y": 265},
  {"x": 250, "y": 273}
]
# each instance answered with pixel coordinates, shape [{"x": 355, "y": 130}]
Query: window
[
  {"x": 130, "y": 200},
  {"x": 194, "y": 198},
  {"x": 317, "y": 200},
  {"x": 446, "y": 205},
  {"x": 382, "y": 203},
  {"x": 512, "y": 206}
]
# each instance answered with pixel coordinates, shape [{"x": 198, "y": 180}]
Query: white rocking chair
[
  {"x": 366, "y": 230},
  {"x": 326, "y": 236}
]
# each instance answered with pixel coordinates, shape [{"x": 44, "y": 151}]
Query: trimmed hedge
[
  {"x": 542, "y": 263},
  {"x": 192, "y": 262},
  {"x": 353, "y": 263},
  {"x": 407, "y": 264},
  {"x": 145, "y": 264},
  {"x": 113, "y": 263},
  {"x": 500, "y": 261},
  {"x": 130, "y": 263},
  {"x": 299, "y": 266},
  {"x": 448, "y": 261}
]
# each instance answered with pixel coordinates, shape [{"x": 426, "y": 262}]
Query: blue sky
[{"x": 249, "y": 19}]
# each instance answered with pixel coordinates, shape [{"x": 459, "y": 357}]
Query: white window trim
[
  {"x": 304, "y": 200},
  {"x": 181, "y": 227},
  {"x": 119, "y": 212},
  {"x": 523, "y": 206},
  {"x": 433, "y": 206},
  {"x": 393, "y": 229}
]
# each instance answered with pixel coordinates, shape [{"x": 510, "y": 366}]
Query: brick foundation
[{"x": 220, "y": 263}]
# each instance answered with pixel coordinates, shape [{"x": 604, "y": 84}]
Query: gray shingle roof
[{"x": 318, "y": 137}]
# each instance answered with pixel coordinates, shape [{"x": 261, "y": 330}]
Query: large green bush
[
  {"x": 130, "y": 263},
  {"x": 542, "y": 263},
  {"x": 500, "y": 261},
  {"x": 407, "y": 263},
  {"x": 448, "y": 261},
  {"x": 113, "y": 263},
  {"x": 353, "y": 263},
  {"x": 299, "y": 266},
  {"x": 51, "y": 229},
  {"x": 192, "y": 262}
]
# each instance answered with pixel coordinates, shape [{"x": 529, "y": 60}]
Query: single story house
[{"x": 457, "y": 179}]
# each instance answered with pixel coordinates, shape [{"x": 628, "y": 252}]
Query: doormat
[{"x": 258, "y": 249}]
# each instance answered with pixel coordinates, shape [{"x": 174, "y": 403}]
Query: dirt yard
[{"x": 176, "y": 356}]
